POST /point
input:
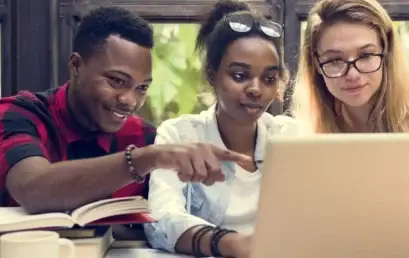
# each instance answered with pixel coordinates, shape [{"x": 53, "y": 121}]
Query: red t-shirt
[{"x": 41, "y": 124}]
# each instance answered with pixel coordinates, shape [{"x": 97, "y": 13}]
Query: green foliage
[
  {"x": 177, "y": 76},
  {"x": 403, "y": 29}
]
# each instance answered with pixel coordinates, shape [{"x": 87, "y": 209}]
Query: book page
[
  {"x": 16, "y": 218},
  {"x": 109, "y": 207}
]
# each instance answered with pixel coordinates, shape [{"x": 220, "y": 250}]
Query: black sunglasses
[{"x": 244, "y": 22}]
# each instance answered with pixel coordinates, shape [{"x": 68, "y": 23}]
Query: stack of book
[{"x": 89, "y": 226}]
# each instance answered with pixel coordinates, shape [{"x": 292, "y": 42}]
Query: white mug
[{"x": 35, "y": 244}]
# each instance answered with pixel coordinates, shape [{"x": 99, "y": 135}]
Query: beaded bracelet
[
  {"x": 196, "y": 240},
  {"x": 128, "y": 155},
  {"x": 217, "y": 235}
]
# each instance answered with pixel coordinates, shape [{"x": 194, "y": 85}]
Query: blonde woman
[{"x": 353, "y": 75}]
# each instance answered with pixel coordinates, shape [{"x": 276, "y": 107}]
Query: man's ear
[
  {"x": 74, "y": 63},
  {"x": 211, "y": 76}
]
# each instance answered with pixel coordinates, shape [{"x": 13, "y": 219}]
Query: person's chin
[
  {"x": 356, "y": 102},
  {"x": 250, "y": 117},
  {"x": 110, "y": 128},
  {"x": 110, "y": 123}
]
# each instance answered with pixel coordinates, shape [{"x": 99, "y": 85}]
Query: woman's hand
[
  {"x": 236, "y": 245},
  {"x": 242, "y": 247}
]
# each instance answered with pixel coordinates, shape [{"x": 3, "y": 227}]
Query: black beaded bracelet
[
  {"x": 213, "y": 247},
  {"x": 128, "y": 155},
  {"x": 217, "y": 235},
  {"x": 196, "y": 240}
]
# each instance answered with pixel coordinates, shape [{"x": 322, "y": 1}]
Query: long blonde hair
[{"x": 314, "y": 106}]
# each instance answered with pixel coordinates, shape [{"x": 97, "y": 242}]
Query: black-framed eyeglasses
[
  {"x": 244, "y": 22},
  {"x": 367, "y": 63}
]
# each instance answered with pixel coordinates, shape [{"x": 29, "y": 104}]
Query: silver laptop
[{"x": 334, "y": 196}]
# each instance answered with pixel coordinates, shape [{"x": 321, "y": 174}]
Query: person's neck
[
  {"x": 237, "y": 136},
  {"x": 356, "y": 118},
  {"x": 74, "y": 107}
]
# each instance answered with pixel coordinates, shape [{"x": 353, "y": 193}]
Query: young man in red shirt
[{"x": 80, "y": 142}]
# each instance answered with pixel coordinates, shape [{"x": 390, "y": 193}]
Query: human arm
[
  {"x": 176, "y": 227},
  {"x": 232, "y": 244},
  {"x": 38, "y": 185},
  {"x": 41, "y": 186}
]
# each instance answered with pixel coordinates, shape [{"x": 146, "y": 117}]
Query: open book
[{"x": 125, "y": 210}]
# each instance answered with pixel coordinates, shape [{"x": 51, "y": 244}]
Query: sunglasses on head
[{"x": 244, "y": 22}]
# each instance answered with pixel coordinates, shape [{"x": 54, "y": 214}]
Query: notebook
[{"x": 334, "y": 196}]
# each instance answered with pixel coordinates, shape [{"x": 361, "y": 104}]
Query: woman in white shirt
[{"x": 244, "y": 65}]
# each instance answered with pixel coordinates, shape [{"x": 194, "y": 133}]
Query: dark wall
[{"x": 26, "y": 44}]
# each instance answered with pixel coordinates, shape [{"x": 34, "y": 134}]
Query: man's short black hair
[{"x": 103, "y": 22}]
